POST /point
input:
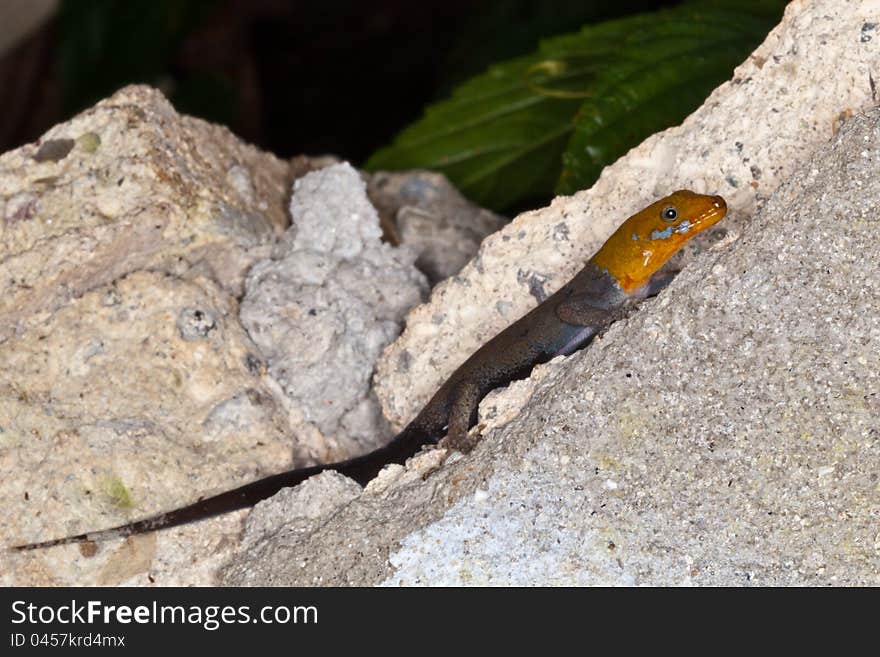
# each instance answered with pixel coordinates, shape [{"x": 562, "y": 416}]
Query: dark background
[{"x": 309, "y": 76}]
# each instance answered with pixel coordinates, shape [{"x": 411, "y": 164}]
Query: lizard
[{"x": 625, "y": 270}]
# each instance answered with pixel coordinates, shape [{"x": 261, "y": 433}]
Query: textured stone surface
[
  {"x": 432, "y": 217},
  {"x": 152, "y": 190},
  {"x": 422, "y": 211},
  {"x": 126, "y": 401},
  {"x": 752, "y": 132},
  {"x": 316, "y": 497},
  {"x": 323, "y": 532},
  {"x": 727, "y": 433},
  {"x": 326, "y": 304},
  {"x": 131, "y": 383}
]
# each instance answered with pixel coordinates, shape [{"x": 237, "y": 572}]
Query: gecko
[{"x": 625, "y": 270}]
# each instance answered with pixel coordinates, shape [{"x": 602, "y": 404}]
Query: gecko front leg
[
  {"x": 582, "y": 310},
  {"x": 462, "y": 416}
]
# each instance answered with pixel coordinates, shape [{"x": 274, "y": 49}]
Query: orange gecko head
[{"x": 646, "y": 240}]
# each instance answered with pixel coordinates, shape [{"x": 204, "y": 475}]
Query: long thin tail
[{"x": 361, "y": 468}]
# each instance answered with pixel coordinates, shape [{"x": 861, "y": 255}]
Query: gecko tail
[
  {"x": 237, "y": 498},
  {"x": 361, "y": 468}
]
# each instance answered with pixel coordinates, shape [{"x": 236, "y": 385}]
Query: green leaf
[
  {"x": 508, "y": 29},
  {"x": 496, "y": 139},
  {"x": 589, "y": 96},
  {"x": 664, "y": 71}
]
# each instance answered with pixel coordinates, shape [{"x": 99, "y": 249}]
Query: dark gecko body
[{"x": 621, "y": 273}]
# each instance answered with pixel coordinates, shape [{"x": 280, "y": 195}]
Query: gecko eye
[{"x": 669, "y": 213}]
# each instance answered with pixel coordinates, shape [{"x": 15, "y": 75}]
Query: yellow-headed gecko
[{"x": 624, "y": 271}]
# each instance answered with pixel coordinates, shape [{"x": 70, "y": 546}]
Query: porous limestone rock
[
  {"x": 324, "y": 306},
  {"x": 131, "y": 384},
  {"x": 158, "y": 191},
  {"x": 423, "y": 211},
  {"x": 126, "y": 401},
  {"x": 819, "y": 65},
  {"x": 315, "y": 498},
  {"x": 432, "y": 217}
]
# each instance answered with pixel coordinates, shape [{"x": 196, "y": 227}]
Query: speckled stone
[
  {"x": 432, "y": 217},
  {"x": 124, "y": 402},
  {"x": 126, "y": 185},
  {"x": 728, "y": 434},
  {"x": 321, "y": 310}
]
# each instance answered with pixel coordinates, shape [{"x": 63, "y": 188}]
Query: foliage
[{"x": 550, "y": 121}]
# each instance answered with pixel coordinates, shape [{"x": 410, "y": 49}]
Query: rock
[
  {"x": 326, "y": 304},
  {"x": 317, "y": 497},
  {"x": 725, "y": 434},
  {"x": 422, "y": 211},
  {"x": 140, "y": 383},
  {"x": 432, "y": 217},
  {"x": 131, "y": 385},
  {"x": 139, "y": 175},
  {"x": 128, "y": 401},
  {"x": 361, "y": 543},
  {"x": 747, "y": 138}
]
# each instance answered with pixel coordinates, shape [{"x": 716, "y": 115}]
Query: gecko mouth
[{"x": 711, "y": 216}]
